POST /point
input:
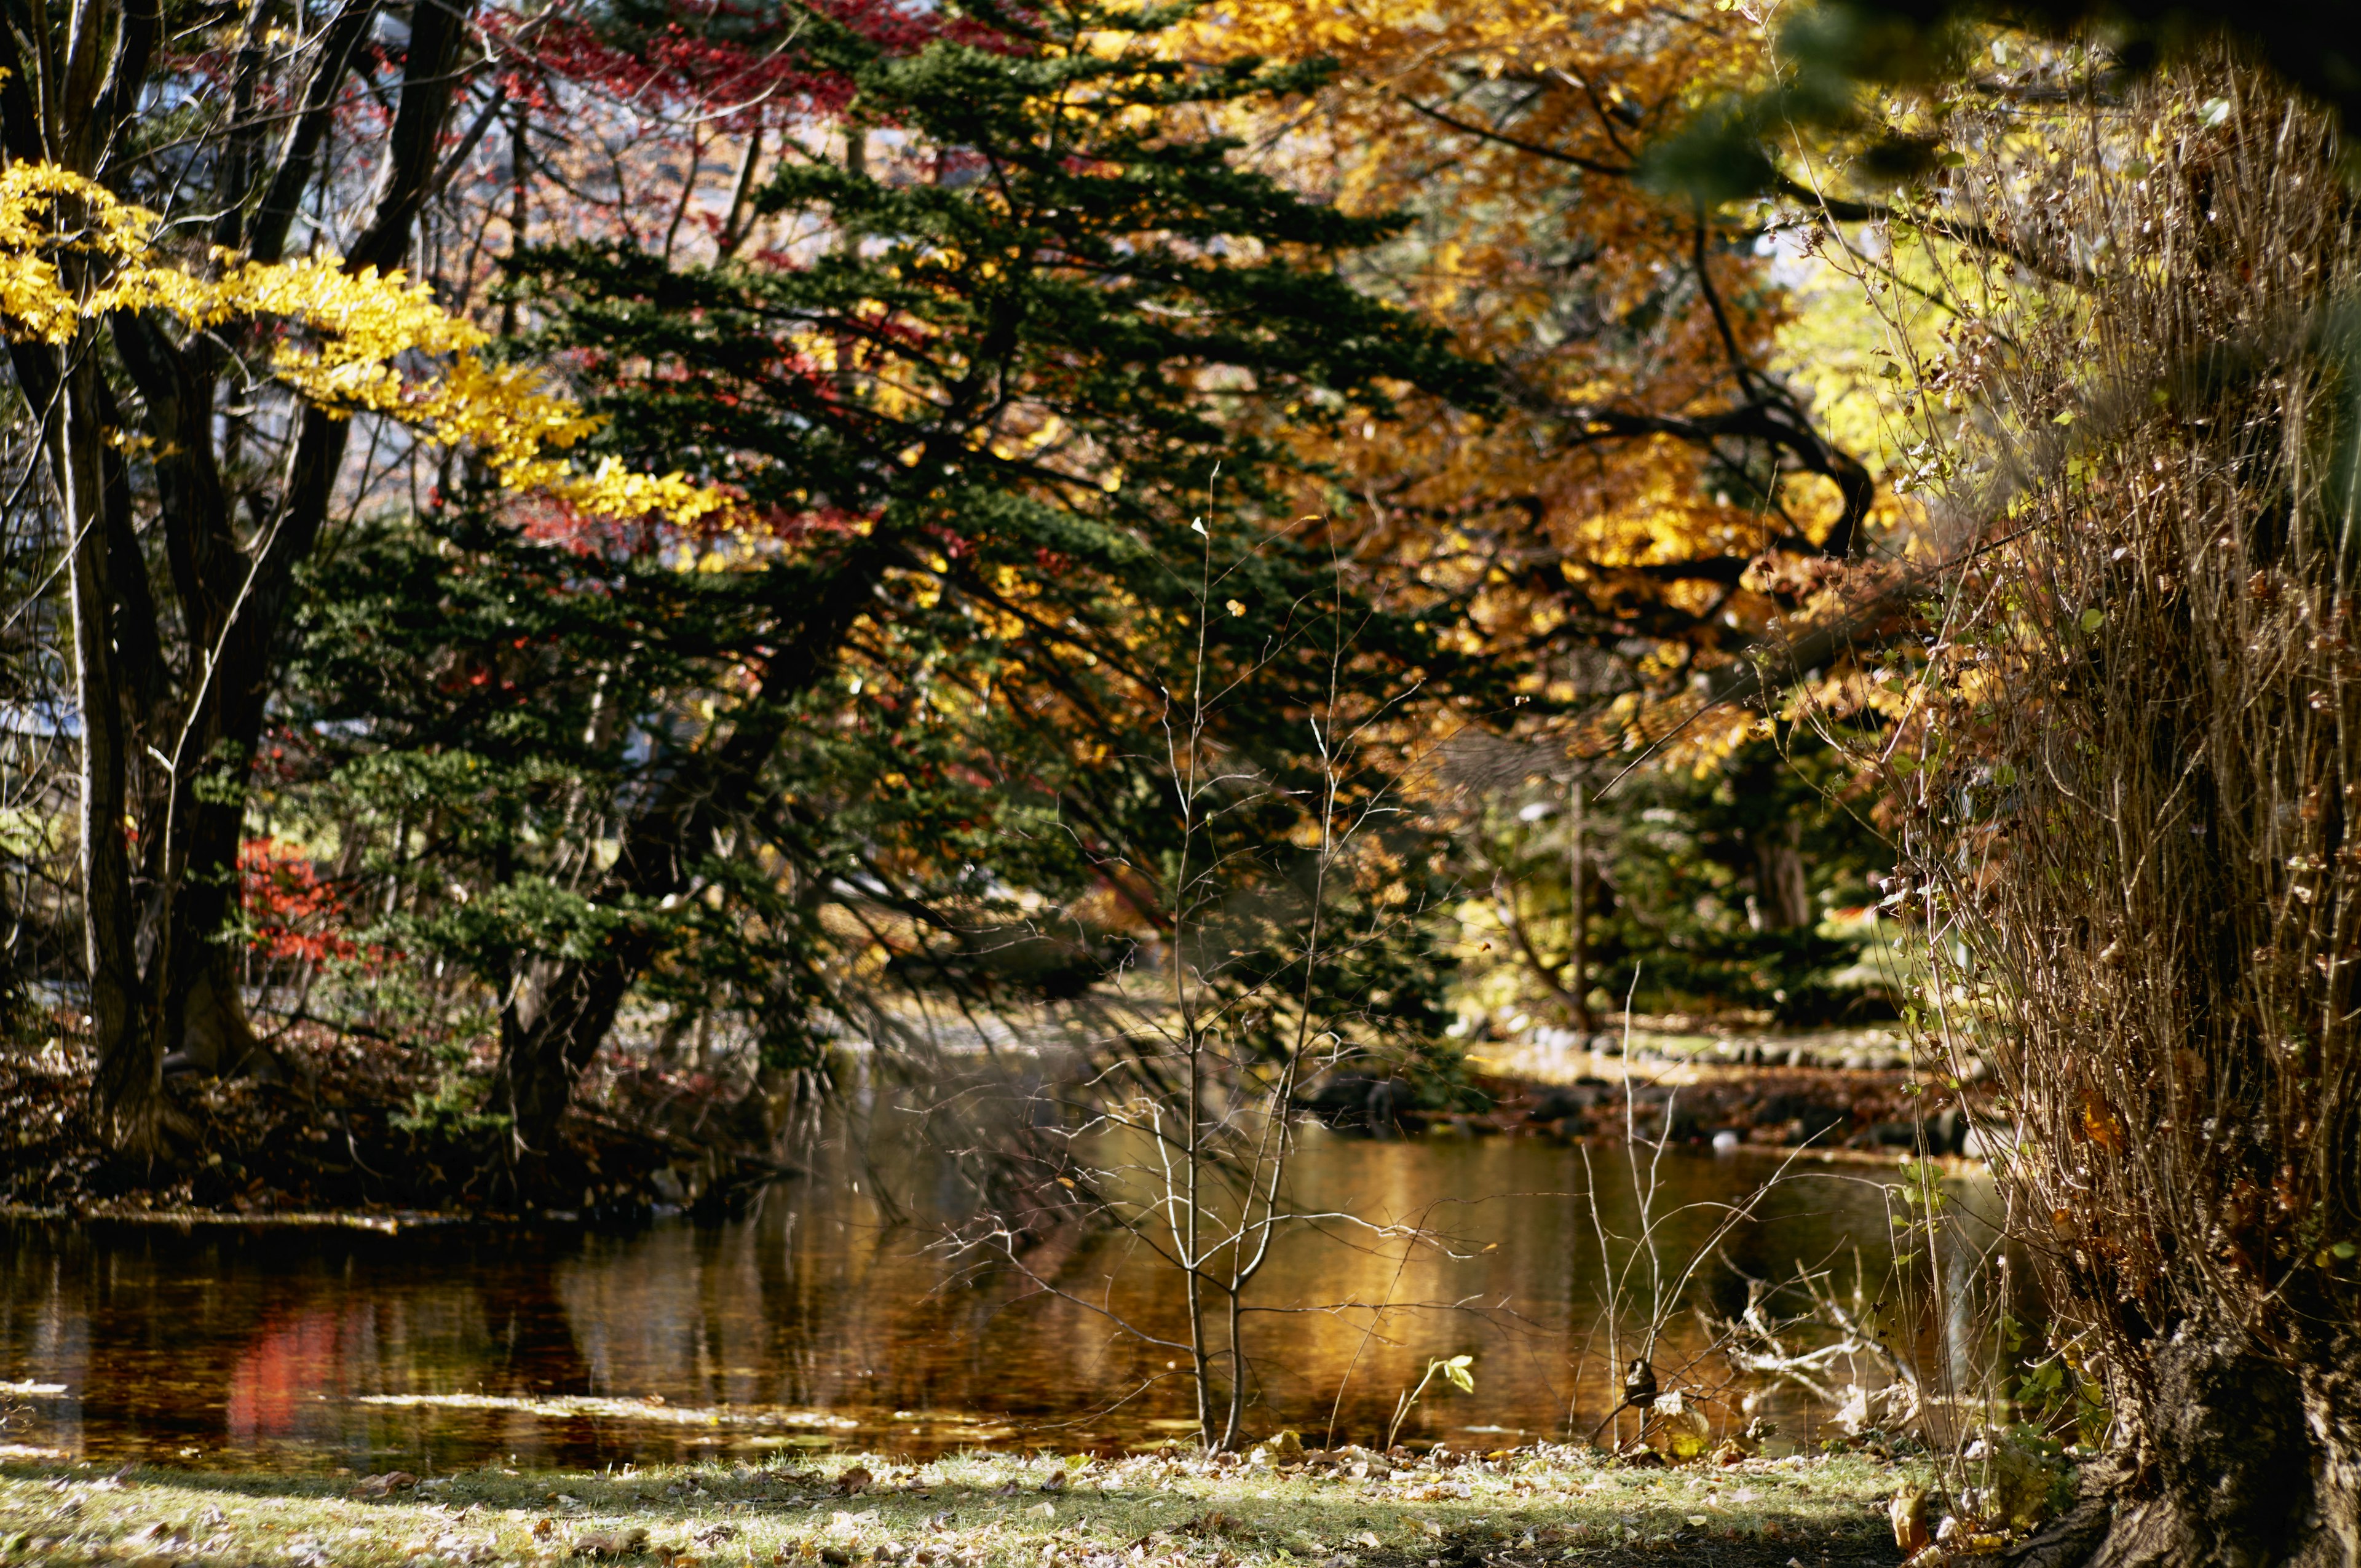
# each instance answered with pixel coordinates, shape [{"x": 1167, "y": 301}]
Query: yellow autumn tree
[
  {"x": 80, "y": 267},
  {"x": 72, "y": 253},
  {"x": 1685, "y": 470},
  {"x": 1663, "y": 478}
]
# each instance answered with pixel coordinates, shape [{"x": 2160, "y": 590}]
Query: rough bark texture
[
  {"x": 2242, "y": 1461},
  {"x": 2228, "y": 1480},
  {"x": 129, "y": 1084}
]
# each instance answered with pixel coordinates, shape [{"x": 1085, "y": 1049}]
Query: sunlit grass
[{"x": 1524, "y": 1508}]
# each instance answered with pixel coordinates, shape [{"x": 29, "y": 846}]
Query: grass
[{"x": 1520, "y": 1509}]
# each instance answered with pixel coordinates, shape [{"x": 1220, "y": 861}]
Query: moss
[{"x": 1524, "y": 1508}]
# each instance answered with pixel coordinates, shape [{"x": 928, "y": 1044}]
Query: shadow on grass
[{"x": 1234, "y": 1519}]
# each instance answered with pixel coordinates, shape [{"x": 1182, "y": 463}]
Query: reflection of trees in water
[
  {"x": 1517, "y": 1287},
  {"x": 815, "y": 1302},
  {"x": 220, "y": 1338}
]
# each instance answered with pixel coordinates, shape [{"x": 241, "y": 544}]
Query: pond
[{"x": 817, "y": 1318}]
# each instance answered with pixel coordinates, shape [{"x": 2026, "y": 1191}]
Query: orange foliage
[{"x": 1651, "y": 494}]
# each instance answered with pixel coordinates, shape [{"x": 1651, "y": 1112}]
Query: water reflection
[{"x": 814, "y": 1320}]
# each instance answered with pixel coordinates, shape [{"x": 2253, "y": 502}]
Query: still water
[{"x": 822, "y": 1318}]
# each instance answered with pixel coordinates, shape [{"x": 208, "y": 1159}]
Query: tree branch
[{"x": 266, "y": 239}]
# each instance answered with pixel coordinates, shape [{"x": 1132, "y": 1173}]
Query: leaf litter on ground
[{"x": 1526, "y": 1507}]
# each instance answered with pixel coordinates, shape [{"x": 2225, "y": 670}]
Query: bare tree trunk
[
  {"x": 1780, "y": 888},
  {"x": 130, "y": 1081},
  {"x": 1235, "y": 1425},
  {"x": 1578, "y": 963}
]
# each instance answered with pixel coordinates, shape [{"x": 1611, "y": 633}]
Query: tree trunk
[
  {"x": 129, "y": 1089},
  {"x": 1578, "y": 961},
  {"x": 1780, "y": 889},
  {"x": 559, "y": 1012},
  {"x": 214, "y": 1034},
  {"x": 2244, "y": 1458},
  {"x": 549, "y": 1035},
  {"x": 159, "y": 980}
]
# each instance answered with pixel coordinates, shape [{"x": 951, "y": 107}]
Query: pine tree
[{"x": 990, "y": 393}]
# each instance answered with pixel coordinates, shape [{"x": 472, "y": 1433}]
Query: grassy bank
[{"x": 1511, "y": 1509}]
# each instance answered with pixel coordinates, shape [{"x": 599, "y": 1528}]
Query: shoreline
[{"x": 1573, "y": 1096}]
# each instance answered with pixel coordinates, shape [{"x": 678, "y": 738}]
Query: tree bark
[
  {"x": 130, "y": 1083},
  {"x": 2245, "y": 1457},
  {"x": 1782, "y": 894},
  {"x": 1578, "y": 961}
]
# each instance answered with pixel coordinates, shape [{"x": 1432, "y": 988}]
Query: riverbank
[
  {"x": 364, "y": 1137},
  {"x": 1515, "y": 1508},
  {"x": 1830, "y": 1094}
]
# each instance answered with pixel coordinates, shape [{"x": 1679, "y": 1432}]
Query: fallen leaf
[
  {"x": 1852, "y": 1414},
  {"x": 1678, "y": 1428},
  {"x": 1281, "y": 1448},
  {"x": 1908, "y": 1513},
  {"x": 379, "y": 1486},
  {"x": 610, "y": 1543}
]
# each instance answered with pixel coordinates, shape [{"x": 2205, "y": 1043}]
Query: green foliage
[
  {"x": 2050, "y": 1390},
  {"x": 1456, "y": 1371},
  {"x": 1721, "y": 889},
  {"x": 934, "y": 680},
  {"x": 1705, "y": 875}
]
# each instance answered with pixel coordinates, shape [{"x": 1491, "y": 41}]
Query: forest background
[
  {"x": 712, "y": 574},
  {"x": 566, "y": 563},
  {"x": 617, "y": 548}
]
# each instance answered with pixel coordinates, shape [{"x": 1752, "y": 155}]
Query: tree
[
  {"x": 1709, "y": 880},
  {"x": 1664, "y": 482},
  {"x": 968, "y": 421},
  {"x": 172, "y": 705},
  {"x": 2126, "y": 783},
  {"x": 196, "y": 398},
  {"x": 1685, "y": 463}
]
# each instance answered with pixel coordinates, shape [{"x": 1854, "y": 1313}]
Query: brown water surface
[{"x": 812, "y": 1322}]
